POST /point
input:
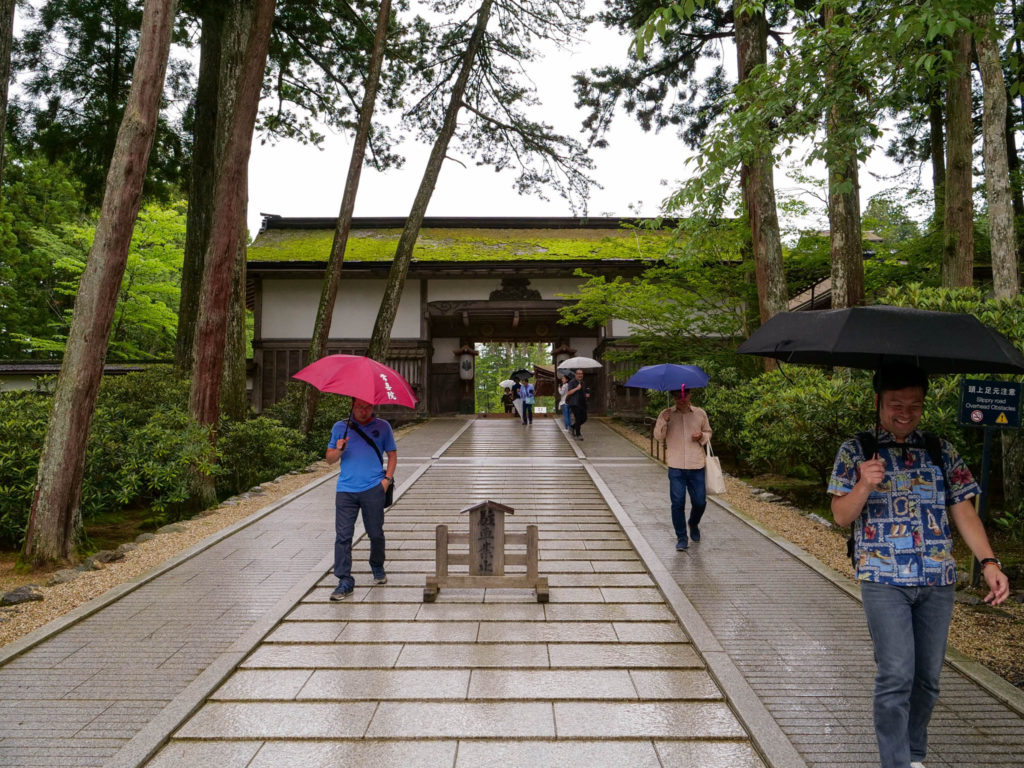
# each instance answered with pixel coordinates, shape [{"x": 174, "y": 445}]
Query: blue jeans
[
  {"x": 567, "y": 416},
  {"x": 679, "y": 482},
  {"x": 909, "y": 627},
  {"x": 346, "y": 507}
]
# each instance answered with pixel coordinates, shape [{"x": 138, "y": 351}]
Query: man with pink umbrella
[{"x": 363, "y": 483}]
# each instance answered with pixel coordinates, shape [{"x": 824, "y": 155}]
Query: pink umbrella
[{"x": 361, "y": 377}]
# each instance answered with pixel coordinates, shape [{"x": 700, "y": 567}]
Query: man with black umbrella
[{"x": 899, "y": 503}]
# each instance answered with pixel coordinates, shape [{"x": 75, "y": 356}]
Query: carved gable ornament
[{"x": 515, "y": 289}]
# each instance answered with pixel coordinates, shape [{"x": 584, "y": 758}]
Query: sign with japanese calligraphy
[{"x": 990, "y": 403}]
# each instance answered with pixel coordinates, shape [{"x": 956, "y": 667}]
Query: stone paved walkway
[{"x": 735, "y": 653}]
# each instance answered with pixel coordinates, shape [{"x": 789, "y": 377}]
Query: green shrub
[
  {"x": 256, "y": 450},
  {"x": 329, "y": 409},
  {"x": 23, "y": 419}
]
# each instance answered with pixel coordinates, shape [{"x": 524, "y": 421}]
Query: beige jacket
[{"x": 676, "y": 429}]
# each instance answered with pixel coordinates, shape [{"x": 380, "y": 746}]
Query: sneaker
[
  {"x": 380, "y": 580},
  {"x": 341, "y": 592},
  {"x": 682, "y": 545},
  {"x": 694, "y": 534},
  {"x": 917, "y": 764}
]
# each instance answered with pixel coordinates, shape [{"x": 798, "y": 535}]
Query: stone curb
[{"x": 769, "y": 739}]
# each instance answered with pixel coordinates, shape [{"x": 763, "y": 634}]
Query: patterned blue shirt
[{"x": 902, "y": 536}]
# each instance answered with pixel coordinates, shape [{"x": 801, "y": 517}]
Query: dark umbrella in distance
[{"x": 521, "y": 374}]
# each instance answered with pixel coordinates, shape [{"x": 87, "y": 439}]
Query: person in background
[
  {"x": 517, "y": 396},
  {"x": 577, "y": 397},
  {"x": 506, "y": 400},
  {"x": 685, "y": 430},
  {"x": 362, "y": 486},
  {"x": 900, "y": 504},
  {"x": 527, "y": 392},
  {"x": 563, "y": 406}
]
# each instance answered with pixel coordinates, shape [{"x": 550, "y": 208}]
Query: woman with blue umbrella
[{"x": 685, "y": 430}]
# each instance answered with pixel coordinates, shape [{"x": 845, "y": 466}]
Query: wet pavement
[{"x": 735, "y": 653}]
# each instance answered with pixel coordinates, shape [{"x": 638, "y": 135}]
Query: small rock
[
  {"x": 23, "y": 594},
  {"x": 256, "y": 490},
  {"x": 144, "y": 537},
  {"x": 108, "y": 556},
  {"x": 91, "y": 564},
  {"x": 62, "y": 576},
  {"x": 173, "y": 528},
  {"x": 967, "y": 598},
  {"x": 126, "y": 548},
  {"x": 1018, "y": 597},
  {"x": 819, "y": 520}
]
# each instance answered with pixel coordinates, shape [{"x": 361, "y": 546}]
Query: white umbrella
[
  {"x": 580, "y": 362},
  {"x": 506, "y": 383}
]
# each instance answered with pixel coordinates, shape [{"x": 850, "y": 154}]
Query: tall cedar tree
[
  {"x": 77, "y": 59},
  {"x": 958, "y": 228},
  {"x": 756, "y": 176},
  {"x": 55, "y": 517},
  {"x": 6, "y": 41},
  {"x": 221, "y": 252},
  {"x": 491, "y": 93},
  {"x": 329, "y": 291}
]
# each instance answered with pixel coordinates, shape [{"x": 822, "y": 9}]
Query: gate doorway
[{"x": 495, "y": 362}]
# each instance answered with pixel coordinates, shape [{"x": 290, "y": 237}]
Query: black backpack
[{"x": 868, "y": 446}]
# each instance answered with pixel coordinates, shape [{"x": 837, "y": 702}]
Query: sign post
[{"x": 992, "y": 405}]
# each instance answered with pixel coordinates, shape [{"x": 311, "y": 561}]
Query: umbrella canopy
[
  {"x": 360, "y": 377},
  {"x": 872, "y": 337},
  {"x": 580, "y": 362},
  {"x": 506, "y": 383},
  {"x": 668, "y": 377},
  {"x": 521, "y": 374}
]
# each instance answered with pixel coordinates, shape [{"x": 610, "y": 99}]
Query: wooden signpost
[{"x": 486, "y": 557}]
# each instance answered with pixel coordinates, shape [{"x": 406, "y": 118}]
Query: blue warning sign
[{"x": 989, "y": 403}]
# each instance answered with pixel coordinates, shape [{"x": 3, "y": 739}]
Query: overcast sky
[{"x": 292, "y": 180}]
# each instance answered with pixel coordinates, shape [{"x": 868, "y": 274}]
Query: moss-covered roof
[{"x": 465, "y": 244}]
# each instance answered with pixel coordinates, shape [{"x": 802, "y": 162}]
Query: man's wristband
[
  {"x": 389, "y": 479},
  {"x": 987, "y": 560}
]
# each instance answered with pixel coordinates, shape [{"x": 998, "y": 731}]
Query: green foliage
[
  {"x": 143, "y": 450},
  {"x": 495, "y": 362},
  {"x": 252, "y": 451},
  {"x": 329, "y": 410},
  {"x": 23, "y": 419}
]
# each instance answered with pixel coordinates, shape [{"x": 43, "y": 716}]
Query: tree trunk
[
  {"x": 55, "y": 517},
  {"x": 206, "y": 140},
  {"x": 6, "y": 44},
  {"x": 403, "y": 253},
  {"x": 329, "y": 292},
  {"x": 756, "y": 178},
  {"x": 845, "y": 239},
  {"x": 1016, "y": 197},
  {"x": 958, "y": 229},
  {"x": 997, "y": 171},
  {"x": 234, "y": 402},
  {"x": 228, "y": 213},
  {"x": 937, "y": 144}
]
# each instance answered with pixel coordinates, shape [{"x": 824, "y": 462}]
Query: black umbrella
[
  {"x": 872, "y": 337},
  {"x": 521, "y": 374}
]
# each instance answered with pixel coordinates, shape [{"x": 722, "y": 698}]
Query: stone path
[{"x": 736, "y": 653}]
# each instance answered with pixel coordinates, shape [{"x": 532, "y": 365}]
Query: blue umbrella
[{"x": 667, "y": 377}]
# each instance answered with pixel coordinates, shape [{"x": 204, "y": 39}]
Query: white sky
[{"x": 637, "y": 170}]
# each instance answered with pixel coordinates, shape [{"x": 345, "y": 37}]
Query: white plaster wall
[
  {"x": 584, "y": 347},
  {"x": 289, "y": 309},
  {"x": 16, "y": 382},
  {"x": 444, "y": 350},
  {"x": 621, "y": 328}
]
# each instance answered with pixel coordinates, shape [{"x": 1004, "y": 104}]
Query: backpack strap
[{"x": 366, "y": 437}]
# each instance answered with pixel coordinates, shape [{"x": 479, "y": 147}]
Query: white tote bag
[{"x": 714, "y": 481}]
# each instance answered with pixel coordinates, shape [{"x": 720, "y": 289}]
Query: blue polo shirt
[
  {"x": 902, "y": 536},
  {"x": 361, "y": 469}
]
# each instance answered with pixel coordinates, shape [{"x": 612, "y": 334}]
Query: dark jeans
[
  {"x": 909, "y": 627},
  {"x": 346, "y": 507},
  {"x": 527, "y": 413},
  {"x": 679, "y": 482},
  {"x": 579, "y": 416}
]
